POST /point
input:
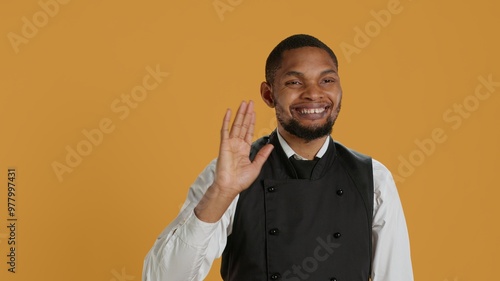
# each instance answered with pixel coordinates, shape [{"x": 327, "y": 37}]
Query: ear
[{"x": 267, "y": 94}]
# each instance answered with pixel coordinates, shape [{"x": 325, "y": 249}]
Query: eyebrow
[{"x": 300, "y": 74}]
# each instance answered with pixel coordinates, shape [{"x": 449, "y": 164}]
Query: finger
[
  {"x": 224, "y": 132},
  {"x": 262, "y": 155},
  {"x": 236, "y": 127},
  {"x": 247, "y": 120},
  {"x": 251, "y": 127}
]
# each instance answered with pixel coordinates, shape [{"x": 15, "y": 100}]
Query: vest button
[
  {"x": 333, "y": 279},
  {"x": 274, "y": 231},
  {"x": 271, "y": 189},
  {"x": 337, "y": 235},
  {"x": 275, "y": 276},
  {"x": 340, "y": 192}
]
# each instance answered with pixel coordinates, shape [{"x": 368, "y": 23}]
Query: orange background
[{"x": 404, "y": 79}]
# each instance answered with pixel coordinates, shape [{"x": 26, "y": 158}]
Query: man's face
[{"x": 306, "y": 93}]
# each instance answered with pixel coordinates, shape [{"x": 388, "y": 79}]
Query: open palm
[{"x": 235, "y": 172}]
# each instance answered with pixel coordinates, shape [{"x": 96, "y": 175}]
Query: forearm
[
  {"x": 180, "y": 252},
  {"x": 392, "y": 258},
  {"x": 187, "y": 247}
]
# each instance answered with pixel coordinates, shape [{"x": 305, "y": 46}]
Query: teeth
[{"x": 311, "y": 111}]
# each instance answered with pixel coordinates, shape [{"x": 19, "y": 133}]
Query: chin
[{"x": 308, "y": 133}]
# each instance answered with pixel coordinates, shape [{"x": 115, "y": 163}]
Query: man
[{"x": 294, "y": 205}]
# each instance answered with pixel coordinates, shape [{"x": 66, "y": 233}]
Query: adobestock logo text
[
  {"x": 31, "y": 26},
  {"x": 122, "y": 108}
]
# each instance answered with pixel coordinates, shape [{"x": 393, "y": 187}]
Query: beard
[{"x": 308, "y": 133}]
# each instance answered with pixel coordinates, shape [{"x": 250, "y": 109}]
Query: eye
[
  {"x": 293, "y": 82},
  {"x": 328, "y": 80}
]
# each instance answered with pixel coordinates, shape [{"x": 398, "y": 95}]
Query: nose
[{"x": 313, "y": 92}]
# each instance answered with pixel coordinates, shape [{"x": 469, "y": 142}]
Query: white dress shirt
[{"x": 187, "y": 247}]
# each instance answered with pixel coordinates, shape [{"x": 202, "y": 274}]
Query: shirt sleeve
[
  {"x": 187, "y": 247},
  {"x": 391, "y": 245}
]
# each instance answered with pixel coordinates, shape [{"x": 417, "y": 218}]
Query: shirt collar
[{"x": 289, "y": 151}]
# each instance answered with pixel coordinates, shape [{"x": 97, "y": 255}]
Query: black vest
[{"x": 303, "y": 229}]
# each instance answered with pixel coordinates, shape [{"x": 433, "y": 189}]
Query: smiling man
[{"x": 294, "y": 205}]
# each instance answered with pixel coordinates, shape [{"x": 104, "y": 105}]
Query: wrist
[
  {"x": 222, "y": 192},
  {"x": 214, "y": 204}
]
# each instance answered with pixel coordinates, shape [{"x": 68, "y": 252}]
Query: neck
[{"x": 305, "y": 148}]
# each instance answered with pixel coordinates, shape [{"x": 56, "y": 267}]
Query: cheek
[
  {"x": 337, "y": 96},
  {"x": 282, "y": 102},
  {"x": 280, "y": 110}
]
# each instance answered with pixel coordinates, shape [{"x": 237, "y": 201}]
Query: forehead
[{"x": 306, "y": 58}]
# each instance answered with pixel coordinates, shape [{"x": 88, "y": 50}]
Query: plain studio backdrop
[{"x": 110, "y": 109}]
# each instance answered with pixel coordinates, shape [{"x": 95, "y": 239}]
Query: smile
[
  {"x": 311, "y": 110},
  {"x": 304, "y": 109}
]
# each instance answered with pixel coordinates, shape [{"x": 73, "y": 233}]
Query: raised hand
[{"x": 234, "y": 171}]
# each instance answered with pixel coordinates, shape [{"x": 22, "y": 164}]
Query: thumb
[{"x": 262, "y": 155}]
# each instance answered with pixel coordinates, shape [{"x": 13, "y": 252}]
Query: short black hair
[{"x": 273, "y": 62}]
